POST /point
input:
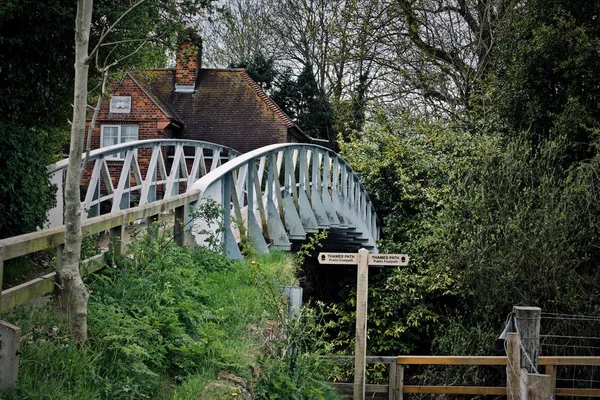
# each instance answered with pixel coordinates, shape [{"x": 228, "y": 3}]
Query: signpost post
[{"x": 363, "y": 260}]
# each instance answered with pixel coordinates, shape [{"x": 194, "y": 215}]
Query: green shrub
[{"x": 163, "y": 322}]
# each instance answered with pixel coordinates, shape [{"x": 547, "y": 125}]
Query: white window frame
[{"x": 120, "y": 156}]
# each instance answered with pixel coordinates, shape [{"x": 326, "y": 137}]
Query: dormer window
[{"x": 120, "y": 104}]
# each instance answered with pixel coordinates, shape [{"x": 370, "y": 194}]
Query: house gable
[
  {"x": 227, "y": 108},
  {"x": 149, "y": 116}
]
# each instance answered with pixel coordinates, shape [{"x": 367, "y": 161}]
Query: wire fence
[{"x": 572, "y": 335}]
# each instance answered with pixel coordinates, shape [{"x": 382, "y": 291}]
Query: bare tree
[
  {"x": 437, "y": 51},
  {"x": 72, "y": 293},
  {"x": 429, "y": 56},
  {"x": 236, "y": 33}
]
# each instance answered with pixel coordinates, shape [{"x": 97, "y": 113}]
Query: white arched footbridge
[
  {"x": 279, "y": 194},
  {"x": 283, "y": 192}
]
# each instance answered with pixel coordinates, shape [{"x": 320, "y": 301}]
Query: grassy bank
[{"x": 170, "y": 323}]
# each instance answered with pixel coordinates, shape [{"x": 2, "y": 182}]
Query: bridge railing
[
  {"x": 136, "y": 173},
  {"x": 284, "y": 191},
  {"x": 277, "y": 192}
]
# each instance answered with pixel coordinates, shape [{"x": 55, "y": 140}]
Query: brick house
[{"x": 223, "y": 106}]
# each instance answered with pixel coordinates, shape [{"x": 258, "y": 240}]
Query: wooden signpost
[{"x": 363, "y": 260}]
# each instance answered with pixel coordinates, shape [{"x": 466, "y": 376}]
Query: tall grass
[{"x": 162, "y": 323}]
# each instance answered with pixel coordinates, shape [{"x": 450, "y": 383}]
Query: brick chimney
[{"x": 187, "y": 63}]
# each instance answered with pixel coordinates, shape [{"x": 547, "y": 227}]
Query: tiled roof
[
  {"x": 263, "y": 96},
  {"x": 145, "y": 80},
  {"x": 227, "y": 107}
]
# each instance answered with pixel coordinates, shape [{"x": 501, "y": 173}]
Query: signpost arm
[{"x": 360, "y": 347}]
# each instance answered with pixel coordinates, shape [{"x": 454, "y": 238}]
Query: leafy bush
[
  {"x": 25, "y": 193},
  {"x": 488, "y": 223},
  {"x": 163, "y": 322}
]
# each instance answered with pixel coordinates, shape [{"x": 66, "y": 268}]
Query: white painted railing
[
  {"x": 284, "y": 191},
  {"x": 280, "y": 193},
  {"x": 137, "y": 173}
]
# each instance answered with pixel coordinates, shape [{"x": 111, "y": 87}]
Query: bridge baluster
[
  {"x": 277, "y": 232},
  {"x": 315, "y": 198},
  {"x": 216, "y": 161},
  {"x": 326, "y": 191},
  {"x": 230, "y": 243},
  {"x": 121, "y": 196},
  {"x": 292, "y": 220},
  {"x": 307, "y": 215},
  {"x": 93, "y": 191},
  {"x": 259, "y": 202},
  {"x": 194, "y": 172},
  {"x": 254, "y": 231}
]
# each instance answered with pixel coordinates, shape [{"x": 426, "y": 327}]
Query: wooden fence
[
  {"x": 395, "y": 389},
  {"x": 53, "y": 238}
]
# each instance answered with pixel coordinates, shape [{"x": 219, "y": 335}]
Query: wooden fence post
[
  {"x": 179, "y": 232},
  {"x": 551, "y": 370},
  {"x": 117, "y": 236},
  {"x": 150, "y": 221},
  {"x": 1, "y": 273},
  {"x": 392, "y": 382},
  {"x": 513, "y": 366},
  {"x": 10, "y": 345},
  {"x": 539, "y": 387},
  {"x": 399, "y": 389},
  {"x": 527, "y": 320}
]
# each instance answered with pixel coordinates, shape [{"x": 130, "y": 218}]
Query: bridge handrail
[
  {"x": 205, "y": 182},
  {"x": 119, "y": 176},
  {"x": 329, "y": 172},
  {"x": 268, "y": 160},
  {"x": 21, "y": 245},
  {"x": 139, "y": 144}
]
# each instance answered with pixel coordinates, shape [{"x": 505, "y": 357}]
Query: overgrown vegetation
[
  {"x": 473, "y": 125},
  {"x": 496, "y": 209},
  {"x": 171, "y": 323}
]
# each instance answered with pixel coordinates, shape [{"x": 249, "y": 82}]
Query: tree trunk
[{"x": 72, "y": 293}]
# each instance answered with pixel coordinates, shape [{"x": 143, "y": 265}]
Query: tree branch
[
  {"x": 110, "y": 28},
  {"x": 437, "y": 53}
]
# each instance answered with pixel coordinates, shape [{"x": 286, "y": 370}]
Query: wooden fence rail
[
  {"x": 53, "y": 238},
  {"x": 395, "y": 388}
]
